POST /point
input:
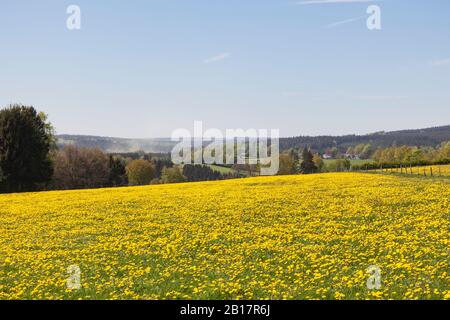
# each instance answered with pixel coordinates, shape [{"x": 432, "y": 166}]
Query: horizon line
[{"x": 281, "y": 137}]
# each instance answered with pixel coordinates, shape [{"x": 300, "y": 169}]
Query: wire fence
[{"x": 426, "y": 171}]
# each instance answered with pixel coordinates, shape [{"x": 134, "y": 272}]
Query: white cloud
[
  {"x": 335, "y": 24},
  {"x": 217, "y": 58},
  {"x": 440, "y": 63},
  {"x": 331, "y": 1}
]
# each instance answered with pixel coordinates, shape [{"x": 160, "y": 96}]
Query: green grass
[
  {"x": 222, "y": 170},
  {"x": 352, "y": 161}
]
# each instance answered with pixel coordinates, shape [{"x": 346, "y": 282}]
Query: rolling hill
[{"x": 417, "y": 137}]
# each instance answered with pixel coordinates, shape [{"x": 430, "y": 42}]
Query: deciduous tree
[
  {"x": 80, "y": 168},
  {"x": 172, "y": 175},
  {"x": 140, "y": 172}
]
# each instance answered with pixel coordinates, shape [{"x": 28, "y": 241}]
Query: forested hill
[
  {"x": 118, "y": 145},
  {"x": 420, "y": 137}
]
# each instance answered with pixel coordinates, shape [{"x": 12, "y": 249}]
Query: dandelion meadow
[{"x": 283, "y": 237}]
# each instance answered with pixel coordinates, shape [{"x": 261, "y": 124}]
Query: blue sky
[{"x": 145, "y": 68}]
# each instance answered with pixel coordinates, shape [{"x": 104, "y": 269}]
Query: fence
[{"x": 430, "y": 171}]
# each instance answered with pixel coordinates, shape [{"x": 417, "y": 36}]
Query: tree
[
  {"x": 80, "y": 168},
  {"x": 50, "y": 131},
  {"x": 444, "y": 152},
  {"x": 366, "y": 151},
  {"x": 341, "y": 165},
  {"x": 351, "y": 151},
  {"x": 358, "y": 149},
  {"x": 117, "y": 172},
  {"x": 286, "y": 164},
  {"x": 318, "y": 161},
  {"x": 172, "y": 175},
  {"x": 140, "y": 172},
  {"x": 200, "y": 172},
  {"x": 296, "y": 165},
  {"x": 334, "y": 152},
  {"x": 307, "y": 166},
  {"x": 159, "y": 164},
  {"x": 25, "y": 143}
]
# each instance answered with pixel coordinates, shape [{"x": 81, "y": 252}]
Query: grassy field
[
  {"x": 352, "y": 161},
  {"x": 290, "y": 237},
  {"x": 222, "y": 170}
]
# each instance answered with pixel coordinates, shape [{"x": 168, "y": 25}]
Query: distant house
[
  {"x": 327, "y": 156},
  {"x": 351, "y": 156}
]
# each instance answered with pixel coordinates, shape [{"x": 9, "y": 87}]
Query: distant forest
[
  {"x": 430, "y": 137},
  {"x": 118, "y": 145}
]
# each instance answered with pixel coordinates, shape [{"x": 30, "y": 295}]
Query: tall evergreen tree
[
  {"x": 24, "y": 149},
  {"x": 159, "y": 164},
  {"x": 308, "y": 166},
  {"x": 296, "y": 161},
  {"x": 200, "y": 172},
  {"x": 117, "y": 173}
]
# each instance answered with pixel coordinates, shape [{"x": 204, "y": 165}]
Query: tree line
[
  {"x": 395, "y": 156},
  {"x": 291, "y": 162},
  {"x": 429, "y": 137},
  {"x": 30, "y": 160},
  {"x": 319, "y": 144}
]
